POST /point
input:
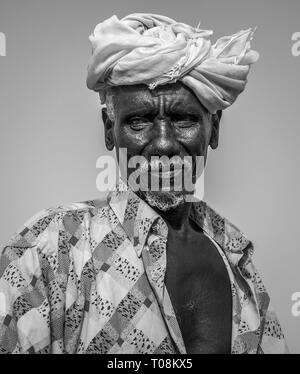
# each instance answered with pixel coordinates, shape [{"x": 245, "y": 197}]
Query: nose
[{"x": 164, "y": 141}]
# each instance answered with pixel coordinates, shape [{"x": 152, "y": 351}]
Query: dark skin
[{"x": 171, "y": 121}]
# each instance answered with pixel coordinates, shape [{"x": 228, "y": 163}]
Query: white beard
[{"x": 164, "y": 201}]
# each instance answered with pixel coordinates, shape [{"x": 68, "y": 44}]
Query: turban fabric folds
[{"x": 155, "y": 50}]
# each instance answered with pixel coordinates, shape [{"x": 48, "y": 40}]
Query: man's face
[{"x": 168, "y": 121}]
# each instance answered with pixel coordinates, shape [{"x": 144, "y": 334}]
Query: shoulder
[
  {"x": 43, "y": 229},
  {"x": 221, "y": 229}
]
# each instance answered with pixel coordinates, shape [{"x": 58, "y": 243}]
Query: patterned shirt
[{"x": 89, "y": 278}]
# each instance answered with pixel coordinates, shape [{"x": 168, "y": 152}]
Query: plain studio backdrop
[{"x": 52, "y": 132}]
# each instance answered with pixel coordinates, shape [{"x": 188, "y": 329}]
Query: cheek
[
  {"x": 132, "y": 141},
  {"x": 196, "y": 139}
]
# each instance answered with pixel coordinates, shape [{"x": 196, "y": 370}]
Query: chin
[{"x": 164, "y": 201}]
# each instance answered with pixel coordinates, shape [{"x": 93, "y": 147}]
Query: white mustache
[
  {"x": 162, "y": 173},
  {"x": 166, "y": 167}
]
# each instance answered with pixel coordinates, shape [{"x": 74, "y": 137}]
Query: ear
[
  {"x": 108, "y": 130},
  {"x": 214, "y": 138}
]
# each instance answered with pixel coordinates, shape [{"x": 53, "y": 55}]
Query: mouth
[
  {"x": 168, "y": 174},
  {"x": 167, "y": 180},
  {"x": 171, "y": 176}
]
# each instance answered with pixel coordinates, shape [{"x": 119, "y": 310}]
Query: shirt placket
[{"x": 154, "y": 258}]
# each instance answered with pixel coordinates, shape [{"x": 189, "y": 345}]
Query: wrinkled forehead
[{"x": 171, "y": 96}]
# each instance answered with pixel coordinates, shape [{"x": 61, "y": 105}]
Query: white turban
[{"x": 155, "y": 50}]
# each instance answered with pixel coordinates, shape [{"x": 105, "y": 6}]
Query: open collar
[{"x": 137, "y": 218}]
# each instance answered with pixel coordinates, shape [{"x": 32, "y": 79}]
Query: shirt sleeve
[
  {"x": 271, "y": 336},
  {"x": 24, "y": 290}
]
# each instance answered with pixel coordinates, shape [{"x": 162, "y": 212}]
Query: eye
[
  {"x": 138, "y": 123},
  {"x": 185, "y": 121},
  {"x": 185, "y": 124}
]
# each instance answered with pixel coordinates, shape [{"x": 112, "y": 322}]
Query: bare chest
[{"x": 199, "y": 287}]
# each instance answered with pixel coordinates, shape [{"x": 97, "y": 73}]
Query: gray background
[{"x": 51, "y": 131}]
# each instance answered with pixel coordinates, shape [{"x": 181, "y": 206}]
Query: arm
[
  {"x": 24, "y": 315},
  {"x": 271, "y": 336},
  {"x": 24, "y": 289}
]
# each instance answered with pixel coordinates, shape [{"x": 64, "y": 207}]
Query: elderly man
[{"x": 147, "y": 271}]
